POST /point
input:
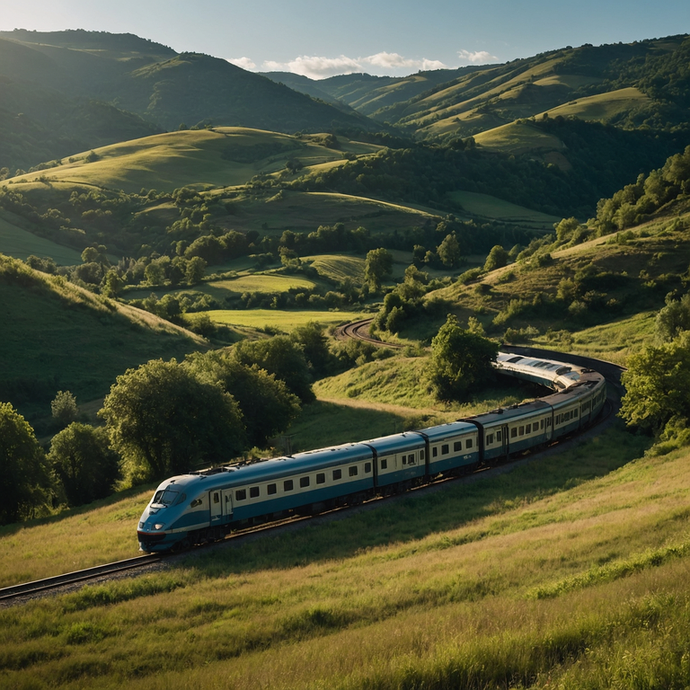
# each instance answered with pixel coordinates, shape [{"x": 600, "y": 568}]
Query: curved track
[{"x": 359, "y": 330}]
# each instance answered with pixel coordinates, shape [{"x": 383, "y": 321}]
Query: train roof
[
  {"x": 390, "y": 444},
  {"x": 504, "y": 415},
  {"x": 275, "y": 468},
  {"x": 444, "y": 431}
]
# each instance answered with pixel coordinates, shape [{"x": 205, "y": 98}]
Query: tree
[
  {"x": 449, "y": 251},
  {"x": 280, "y": 356},
  {"x": 24, "y": 479},
  {"x": 498, "y": 257},
  {"x": 196, "y": 268},
  {"x": 460, "y": 361},
  {"x": 378, "y": 266},
  {"x": 64, "y": 408},
  {"x": 163, "y": 419},
  {"x": 266, "y": 404},
  {"x": 315, "y": 347},
  {"x": 83, "y": 461},
  {"x": 673, "y": 319},
  {"x": 657, "y": 383}
]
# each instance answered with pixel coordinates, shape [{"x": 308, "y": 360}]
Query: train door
[
  {"x": 227, "y": 504},
  {"x": 216, "y": 507},
  {"x": 505, "y": 449}
]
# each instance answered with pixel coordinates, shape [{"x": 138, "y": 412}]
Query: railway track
[
  {"x": 359, "y": 330},
  {"x": 30, "y": 589}
]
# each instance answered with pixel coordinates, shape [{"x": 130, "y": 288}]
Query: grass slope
[
  {"x": 57, "y": 336},
  {"x": 498, "y": 209},
  {"x": 571, "y": 570}
]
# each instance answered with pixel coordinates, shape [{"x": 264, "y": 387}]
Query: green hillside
[
  {"x": 57, "y": 336},
  {"x": 218, "y": 157}
]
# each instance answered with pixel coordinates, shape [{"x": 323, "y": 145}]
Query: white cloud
[
  {"x": 316, "y": 67},
  {"x": 243, "y": 62},
  {"x": 480, "y": 56}
]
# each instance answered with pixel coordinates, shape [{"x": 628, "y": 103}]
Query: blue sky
[{"x": 320, "y": 38}]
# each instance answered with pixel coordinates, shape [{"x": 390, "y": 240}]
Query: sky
[{"x": 322, "y": 38}]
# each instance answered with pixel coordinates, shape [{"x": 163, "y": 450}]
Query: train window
[
  {"x": 489, "y": 439},
  {"x": 321, "y": 478},
  {"x": 353, "y": 471},
  {"x": 410, "y": 459},
  {"x": 469, "y": 443},
  {"x": 367, "y": 468},
  {"x": 216, "y": 497},
  {"x": 288, "y": 485},
  {"x": 271, "y": 489},
  {"x": 337, "y": 474},
  {"x": 445, "y": 449},
  {"x": 457, "y": 446},
  {"x": 513, "y": 432},
  {"x": 548, "y": 422},
  {"x": 421, "y": 455},
  {"x": 254, "y": 492},
  {"x": 240, "y": 494},
  {"x": 498, "y": 436},
  {"x": 303, "y": 482},
  {"x": 575, "y": 412},
  {"x": 528, "y": 429},
  {"x": 434, "y": 451},
  {"x": 196, "y": 502},
  {"x": 384, "y": 464},
  {"x": 541, "y": 424},
  {"x": 404, "y": 459},
  {"x": 522, "y": 431}
]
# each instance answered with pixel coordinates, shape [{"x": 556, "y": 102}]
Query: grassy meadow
[
  {"x": 569, "y": 571},
  {"x": 278, "y": 318}
]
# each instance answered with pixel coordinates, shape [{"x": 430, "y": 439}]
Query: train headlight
[{"x": 158, "y": 525}]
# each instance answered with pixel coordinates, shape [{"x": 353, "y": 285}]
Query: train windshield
[{"x": 166, "y": 497}]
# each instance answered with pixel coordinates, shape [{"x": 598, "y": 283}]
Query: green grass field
[
  {"x": 498, "y": 209},
  {"x": 20, "y": 244},
  {"x": 570, "y": 571},
  {"x": 284, "y": 321},
  {"x": 339, "y": 267}
]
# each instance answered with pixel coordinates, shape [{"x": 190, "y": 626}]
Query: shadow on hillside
[{"x": 409, "y": 518}]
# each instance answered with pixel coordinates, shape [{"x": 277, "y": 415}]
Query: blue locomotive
[{"x": 205, "y": 506}]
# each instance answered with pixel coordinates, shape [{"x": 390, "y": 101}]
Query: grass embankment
[
  {"x": 402, "y": 382},
  {"x": 570, "y": 571}
]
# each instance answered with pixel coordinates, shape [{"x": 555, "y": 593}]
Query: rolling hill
[{"x": 55, "y": 334}]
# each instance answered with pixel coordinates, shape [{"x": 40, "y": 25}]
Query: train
[{"x": 206, "y": 505}]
